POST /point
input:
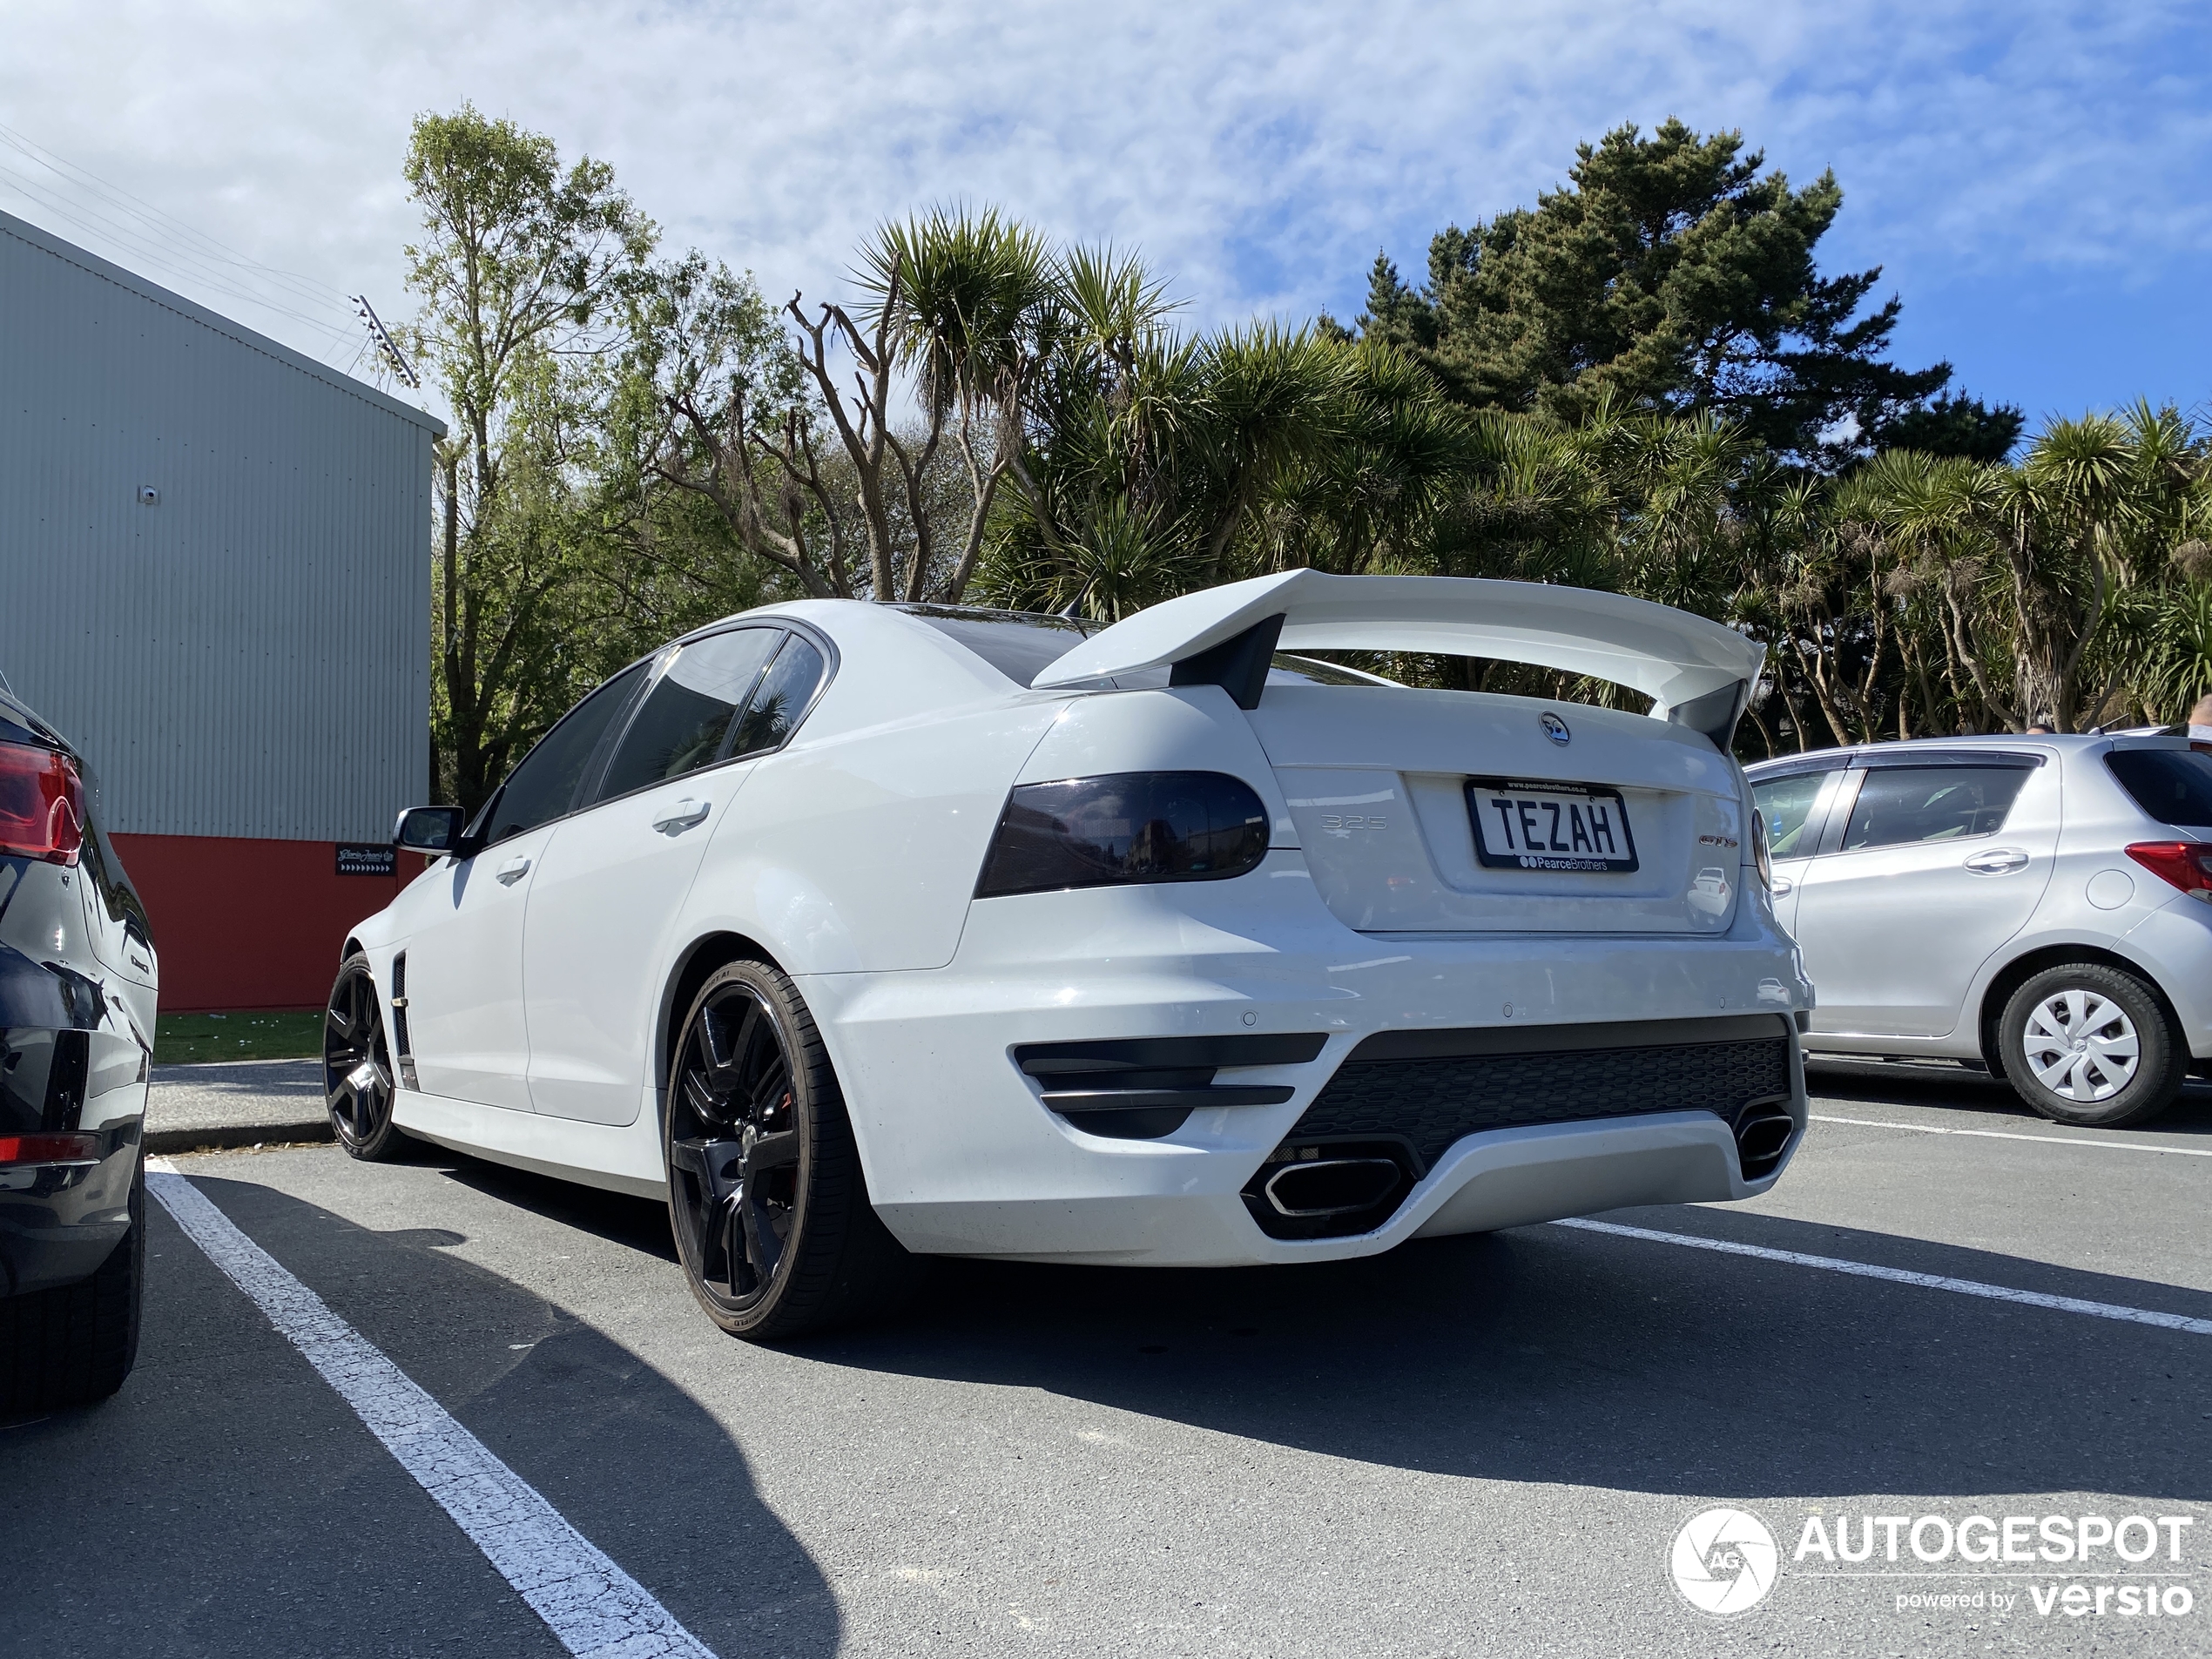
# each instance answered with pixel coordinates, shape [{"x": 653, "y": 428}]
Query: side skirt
[{"x": 616, "y": 1158}]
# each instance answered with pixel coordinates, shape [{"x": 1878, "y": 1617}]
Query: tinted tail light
[
  {"x": 1122, "y": 828},
  {"x": 42, "y": 805},
  {"x": 2187, "y": 865}
]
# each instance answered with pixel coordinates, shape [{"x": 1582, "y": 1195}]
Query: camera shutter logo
[{"x": 1725, "y": 1561}]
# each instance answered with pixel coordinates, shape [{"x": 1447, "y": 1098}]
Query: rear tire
[
  {"x": 2091, "y": 1046},
  {"x": 765, "y": 1195},
  {"x": 357, "y": 1067},
  {"x": 75, "y": 1344}
]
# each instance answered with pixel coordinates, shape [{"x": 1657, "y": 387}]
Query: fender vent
[{"x": 402, "y": 1045}]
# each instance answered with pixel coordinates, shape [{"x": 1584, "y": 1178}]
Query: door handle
[
  {"x": 1781, "y": 885},
  {"x": 682, "y": 815},
  {"x": 513, "y": 871},
  {"x": 2003, "y": 862}
]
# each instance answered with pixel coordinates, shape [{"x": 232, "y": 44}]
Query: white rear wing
[{"x": 1696, "y": 672}]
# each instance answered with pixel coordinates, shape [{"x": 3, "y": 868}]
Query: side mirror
[{"x": 431, "y": 830}]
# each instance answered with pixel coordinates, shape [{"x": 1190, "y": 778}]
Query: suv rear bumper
[{"x": 58, "y": 1222}]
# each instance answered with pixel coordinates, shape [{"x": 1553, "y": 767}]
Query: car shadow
[
  {"x": 1956, "y": 1088},
  {"x": 287, "y": 1489},
  {"x": 1556, "y": 1355},
  {"x": 1553, "y": 1354}
]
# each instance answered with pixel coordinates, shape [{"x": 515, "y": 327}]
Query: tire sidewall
[
  {"x": 2158, "y": 1077},
  {"x": 771, "y": 1309}
]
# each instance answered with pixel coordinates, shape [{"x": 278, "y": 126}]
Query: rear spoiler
[{"x": 1696, "y": 672}]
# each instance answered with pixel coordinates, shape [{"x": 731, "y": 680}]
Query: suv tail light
[
  {"x": 1124, "y": 827},
  {"x": 2187, "y": 865},
  {"x": 76, "y": 1146},
  {"x": 42, "y": 805}
]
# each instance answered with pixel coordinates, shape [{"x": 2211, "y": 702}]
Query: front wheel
[
  {"x": 2092, "y": 1046},
  {"x": 357, "y": 1066},
  {"x": 765, "y": 1195}
]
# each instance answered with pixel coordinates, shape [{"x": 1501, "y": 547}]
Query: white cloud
[{"x": 1260, "y": 154}]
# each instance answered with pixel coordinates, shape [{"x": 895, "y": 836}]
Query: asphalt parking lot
[{"x": 1476, "y": 1445}]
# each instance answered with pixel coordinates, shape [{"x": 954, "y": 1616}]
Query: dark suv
[{"x": 78, "y": 979}]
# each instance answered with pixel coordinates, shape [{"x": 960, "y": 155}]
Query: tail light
[
  {"x": 1124, "y": 827},
  {"x": 1762, "y": 855},
  {"x": 77, "y": 1146},
  {"x": 2187, "y": 865},
  {"x": 42, "y": 805}
]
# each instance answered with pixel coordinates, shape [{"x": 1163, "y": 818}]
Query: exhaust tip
[
  {"x": 1329, "y": 1187},
  {"x": 1762, "y": 1135}
]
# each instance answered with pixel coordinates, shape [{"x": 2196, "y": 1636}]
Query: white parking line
[
  {"x": 2007, "y": 1135},
  {"x": 590, "y": 1605},
  {"x": 1899, "y": 1276}
]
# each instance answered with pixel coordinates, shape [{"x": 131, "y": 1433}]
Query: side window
[
  {"x": 544, "y": 785},
  {"x": 1786, "y": 803},
  {"x": 686, "y": 716},
  {"x": 783, "y": 697},
  {"x": 1899, "y": 805}
]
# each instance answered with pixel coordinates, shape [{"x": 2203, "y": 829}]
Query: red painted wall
[{"x": 248, "y": 924}]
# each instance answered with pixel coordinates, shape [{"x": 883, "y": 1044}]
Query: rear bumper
[
  {"x": 964, "y": 1158},
  {"x": 59, "y": 1221}
]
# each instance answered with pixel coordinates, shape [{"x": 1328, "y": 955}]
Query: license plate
[{"x": 1520, "y": 824}]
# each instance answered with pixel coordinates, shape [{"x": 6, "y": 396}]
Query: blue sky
[{"x": 2034, "y": 178}]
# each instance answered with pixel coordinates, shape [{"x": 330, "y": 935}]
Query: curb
[{"x": 229, "y": 1136}]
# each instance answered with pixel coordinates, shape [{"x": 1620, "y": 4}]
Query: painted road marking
[
  {"x": 590, "y": 1605},
  {"x": 1899, "y": 1276},
  {"x": 2007, "y": 1135}
]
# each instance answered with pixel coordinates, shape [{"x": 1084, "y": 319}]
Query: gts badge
[{"x": 1338, "y": 823}]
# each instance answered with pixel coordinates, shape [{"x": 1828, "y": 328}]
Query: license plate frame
[{"x": 1496, "y": 808}]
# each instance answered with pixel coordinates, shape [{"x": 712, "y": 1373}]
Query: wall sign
[{"x": 367, "y": 861}]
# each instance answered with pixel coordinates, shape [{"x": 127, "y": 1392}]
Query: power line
[{"x": 148, "y": 233}]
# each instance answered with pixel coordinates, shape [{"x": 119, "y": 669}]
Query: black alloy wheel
[
  {"x": 765, "y": 1191},
  {"x": 357, "y": 1066}
]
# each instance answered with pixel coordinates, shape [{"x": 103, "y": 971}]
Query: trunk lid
[{"x": 1378, "y": 783}]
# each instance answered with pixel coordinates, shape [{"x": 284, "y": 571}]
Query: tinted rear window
[
  {"x": 1021, "y": 644},
  {"x": 2173, "y": 786}
]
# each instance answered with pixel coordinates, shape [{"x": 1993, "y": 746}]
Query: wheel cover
[
  {"x": 2081, "y": 1046},
  {"x": 356, "y": 1069},
  {"x": 733, "y": 1147}
]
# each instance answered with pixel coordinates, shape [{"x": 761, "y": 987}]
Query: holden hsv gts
[{"x": 857, "y": 930}]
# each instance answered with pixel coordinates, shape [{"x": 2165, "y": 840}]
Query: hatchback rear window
[{"x": 2173, "y": 786}]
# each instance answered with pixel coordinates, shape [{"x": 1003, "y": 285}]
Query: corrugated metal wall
[{"x": 250, "y": 656}]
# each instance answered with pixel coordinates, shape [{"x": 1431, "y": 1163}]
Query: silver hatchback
[{"x": 2041, "y": 906}]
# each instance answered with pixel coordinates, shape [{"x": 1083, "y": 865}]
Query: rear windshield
[
  {"x": 1021, "y": 644},
  {"x": 2173, "y": 786}
]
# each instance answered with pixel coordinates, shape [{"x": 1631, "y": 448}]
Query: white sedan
[{"x": 854, "y": 929}]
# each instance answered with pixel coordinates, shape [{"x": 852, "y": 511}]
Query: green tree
[
  {"x": 1672, "y": 272},
  {"x": 518, "y": 261}
]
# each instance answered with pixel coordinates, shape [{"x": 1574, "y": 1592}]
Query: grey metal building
[{"x": 215, "y": 576}]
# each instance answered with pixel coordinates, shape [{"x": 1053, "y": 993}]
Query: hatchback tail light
[
  {"x": 2187, "y": 865},
  {"x": 42, "y": 805},
  {"x": 1122, "y": 828}
]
